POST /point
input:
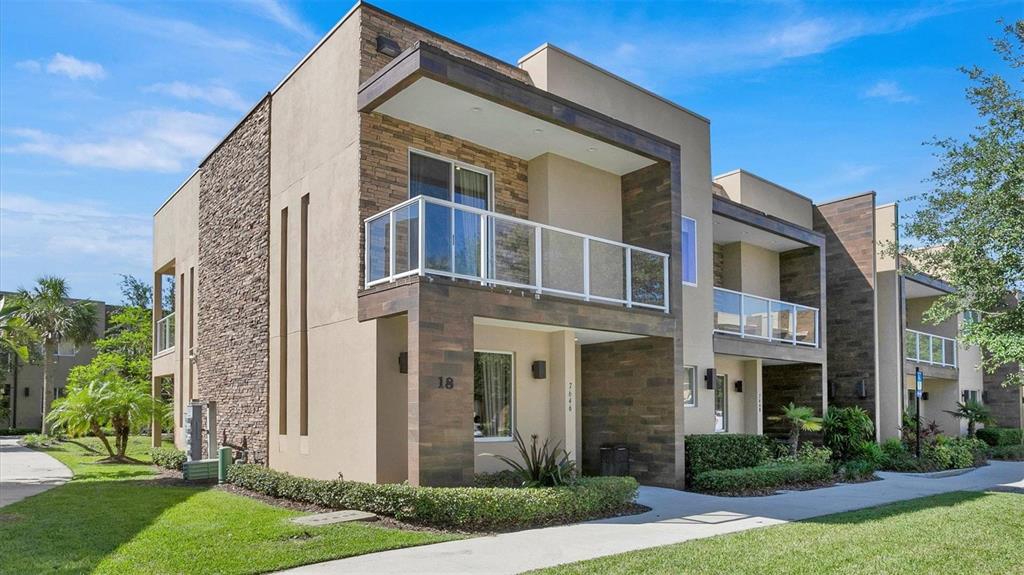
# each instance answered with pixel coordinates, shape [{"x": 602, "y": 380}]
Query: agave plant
[{"x": 544, "y": 466}]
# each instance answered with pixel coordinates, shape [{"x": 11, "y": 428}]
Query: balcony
[
  {"x": 764, "y": 319},
  {"x": 164, "y": 334},
  {"x": 930, "y": 349},
  {"x": 426, "y": 235}
]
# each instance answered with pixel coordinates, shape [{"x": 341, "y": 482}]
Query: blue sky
[{"x": 105, "y": 108}]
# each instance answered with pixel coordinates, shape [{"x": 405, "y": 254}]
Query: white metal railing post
[
  {"x": 629, "y": 277},
  {"x": 743, "y": 317},
  {"x": 483, "y": 250},
  {"x": 392, "y": 236},
  {"x": 539, "y": 256},
  {"x": 366, "y": 253},
  {"x": 665, "y": 272},
  {"x": 586, "y": 269},
  {"x": 421, "y": 205}
]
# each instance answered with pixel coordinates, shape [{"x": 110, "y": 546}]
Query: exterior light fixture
[
  {"x": 539, "y": 369},
  {"x": 538, "y": 130},
  {"x": 403, "y": 362},
  {"x": 387, "y": 46},
  {"x": 862, "y": 389},
  {"x": 591, "y": 149},
  {"x": 738, "y": 384},
  {"x": 709, "y": 378},
  {"x": 965, "y": 395},
  {"x": 924, "y": 395},
  {"x": 475, "y": 109}
]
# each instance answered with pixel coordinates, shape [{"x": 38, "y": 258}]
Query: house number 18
[{"x": 445, "y": 382}]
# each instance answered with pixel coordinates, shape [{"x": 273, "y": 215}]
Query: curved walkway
[
  {"x": 25, "y": 472},
  {"x": 675, "y": 516}
]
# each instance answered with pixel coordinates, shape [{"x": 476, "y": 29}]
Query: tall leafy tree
[
  {"x": 970, "y": 227},
  {"x": 16, "y": 340},
  {"x": 48, "y": 309},
  {"x": 135, "y": 292}
]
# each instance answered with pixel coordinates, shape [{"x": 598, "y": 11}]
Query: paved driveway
[
  {"x": 24, "y": 472},
  {"x": 675, "y": 516}
]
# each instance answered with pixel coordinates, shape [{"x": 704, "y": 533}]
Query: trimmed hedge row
[
  {"x": 168, "y": 457},
  {"x": 996, "y": 436},
  {"x": 714, "y": 452},
  {"x": 1008, "y": 452},
  {"x": 462, "y": 508},
  {"x": 760, "y": 478}
]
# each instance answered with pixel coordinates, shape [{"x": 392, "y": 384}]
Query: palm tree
[
  {"x": 48, "y": 310},
  {"x": 800, "y": 418},
  {"x": 974, "y": 412},
  {"x": 84, "y": 409}
]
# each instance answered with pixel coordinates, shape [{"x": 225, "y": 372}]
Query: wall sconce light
[
  {"x": 26, "y": 392},
  {"x": 965, "y": 395},
  {"x": 539, "y": 369},
  {"x": 709, "y": 378},
  {"x": 924, "y": 395},
  {"x": 984, "y": 397},
  {"x": 831, "y": 388},
  {"x": 862, "y": 389},
  {"x": 738, "y": 384},
  {"x": 403, "y": 362},
  {"x": 387, "y": 46}
]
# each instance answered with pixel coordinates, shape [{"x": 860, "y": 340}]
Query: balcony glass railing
[
  {"x": 430, "y": 236},
  {"x": 752, "y": 316},
  {"x": 165, "y": 333},
  {"x": 931, "y": 349}
]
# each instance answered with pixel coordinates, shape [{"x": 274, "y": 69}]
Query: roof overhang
[
  {"x": 923, "y": 285},
  {"x": 737, "y": 222},
  {"x": 432, "y": 88}
]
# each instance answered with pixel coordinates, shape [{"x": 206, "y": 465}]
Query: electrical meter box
[{"x": 199, "y": 421}]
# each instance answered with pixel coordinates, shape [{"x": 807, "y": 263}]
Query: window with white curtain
[
  {"x": 721, "y": 403},
  {"x": 493, "y": 395},
  {"x": 690, "y": 386}
]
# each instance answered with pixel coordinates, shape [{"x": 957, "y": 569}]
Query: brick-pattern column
[
  {"x": 233, "y": 284},
  {"x": 1005, "y": 402},
  {"x": 440, "y": 418},
  {"x": 849, "y": 230},
  {"x": 799, "y": 383}
]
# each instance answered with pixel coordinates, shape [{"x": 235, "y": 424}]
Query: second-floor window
[
  {"x": 689, "y": 243},
  {"x": 444, "y": 179}
]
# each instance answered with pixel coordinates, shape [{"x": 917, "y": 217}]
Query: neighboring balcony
[
  {"x": 426, "y": 235},
  {"x": 930, "y": 349},
  {"x": 763, "y": 319},
  {"x": 164, "y": 336}
]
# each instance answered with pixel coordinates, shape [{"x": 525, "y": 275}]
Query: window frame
[
  {"x": 683, "y": 259},
  {"x": 693, "y": 386},
  {"x": 452, "y": 164},
  {"x": 512, "y": 400},
  {"x": 724, "y": 378}
]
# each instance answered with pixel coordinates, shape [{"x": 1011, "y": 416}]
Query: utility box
[{"x": 200, "y": 420}]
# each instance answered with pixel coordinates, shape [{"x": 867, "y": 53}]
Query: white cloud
[
  {"x": 212, "y": 94},
  {"x": 160, "y": 140},
  {"x": 42, "y": 236},
  {"x": 278, "y": 12},
  {"x": 74, "y": 68},
  {"x": 890, "y": 91}
]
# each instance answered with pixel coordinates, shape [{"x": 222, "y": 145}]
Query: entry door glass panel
[
  {"x": 721, "y": 403},
  {"x": 493, "y": 402}
]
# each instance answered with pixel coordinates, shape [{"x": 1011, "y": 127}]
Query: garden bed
[{"x": 467, "y": 509}]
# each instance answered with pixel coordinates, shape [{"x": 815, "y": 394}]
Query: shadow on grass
[
  {"x": 72, "y": 528},
  {"x": 888, "y": 510}
]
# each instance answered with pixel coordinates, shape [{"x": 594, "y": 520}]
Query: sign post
[{"x": 918, "y": 390}]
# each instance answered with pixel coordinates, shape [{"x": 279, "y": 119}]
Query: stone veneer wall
[
  {"x": 384, "y": 166},
  {"x": 800, "y": 276},
  {"x": 375, "y": 22},
  {"x": 849, "y": 231},
  {"x": 719, "y": 263},
  {"x": 1005, "y": 402},
  {"x": 799, "y": 383},
  {"x": 233, "y": 287},
  {"x": 647, "y": 208},
  {"x": 627, "y": 398}
]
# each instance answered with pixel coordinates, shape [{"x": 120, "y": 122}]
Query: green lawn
[
  {"x": 963, "y": 532},
  {"x": 121, "y": 519}
]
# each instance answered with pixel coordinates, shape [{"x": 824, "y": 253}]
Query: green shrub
[
  {"x": 996, "y": 436},
  {"x": 168, "y": 457},
  {"x": 713, "y": 452},
  {"x": 544, "y": 466},
  {"x": 809, "y": 453},
  {"x": 463, "y": 508},
  {"x": 761, "y": 478},
  {"x": 37, "y": 440},
  {"x": 870, "y": 452},
  {"x": 1008, "y": 452},
  {"x": 19, "y": 431},
  {"x": 504, "y": 478},
  {"x": 858, "y": 469},
  {"x": 846, "y": 429}
]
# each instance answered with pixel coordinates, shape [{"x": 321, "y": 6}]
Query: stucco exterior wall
[
  {"x": 758, "y": 193},
  {"x": 891, "y": 377},
  {"x": 571, "y": 195}
]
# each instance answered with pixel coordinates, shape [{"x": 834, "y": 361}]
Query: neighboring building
[
  {"x": 22, "y": 390},
  {"x": 409, "y": 251}
]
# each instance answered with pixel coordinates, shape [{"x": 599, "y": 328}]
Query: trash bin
[{"x": 615, "y": 460}]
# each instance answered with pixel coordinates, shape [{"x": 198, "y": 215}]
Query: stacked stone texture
[{"x": 233, "y": 288}]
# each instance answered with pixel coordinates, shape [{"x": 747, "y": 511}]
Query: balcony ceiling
[
  {"x": 583, "y": 336},
  {"x": 452, "y": 111},
  {"x": 913, "y": 289},
  {"x": 727, "y": 231}
]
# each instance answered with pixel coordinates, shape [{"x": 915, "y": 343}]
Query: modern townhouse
[
  {"x": 22, "y": 390},
  {"x": 410, "y": 251}
]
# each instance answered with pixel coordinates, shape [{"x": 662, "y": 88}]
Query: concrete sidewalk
[
  {"x": 675, "y": 516},
  {"x": 25, "y": 472}
]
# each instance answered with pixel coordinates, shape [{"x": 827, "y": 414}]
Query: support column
[
  {"x": 564, "y": 391},
  {"x": 156, "y": 430},
  {"x": 440, "y": 390}
]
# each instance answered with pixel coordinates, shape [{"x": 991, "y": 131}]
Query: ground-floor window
[
  {"x": 493, "y": 390},
  {"x": 689, "y": 386},
  {"x": 721, "y": 403}
]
